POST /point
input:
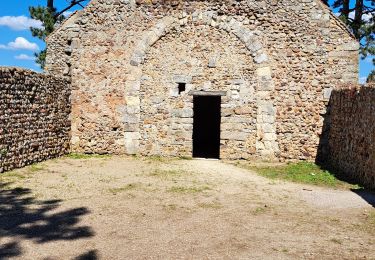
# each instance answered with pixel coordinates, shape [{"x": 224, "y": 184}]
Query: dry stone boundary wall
[
  {"x": 351, "y": 137},
  {"x": 34, "y": 117}
]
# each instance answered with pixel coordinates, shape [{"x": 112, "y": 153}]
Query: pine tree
[
  {"x": 359, "y": 16},
  {"x": 49, "y": 16}
]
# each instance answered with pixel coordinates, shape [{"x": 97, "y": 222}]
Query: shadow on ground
[
  {"x": 90, "y": 255},
  {"x": 367, "y": 195},
  {"x": 23, "y": 217}
]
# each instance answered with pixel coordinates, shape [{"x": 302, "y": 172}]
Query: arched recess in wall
[{"x": 266, "y": 144}]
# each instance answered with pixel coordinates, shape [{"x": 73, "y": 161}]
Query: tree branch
[{"x": 71, "y": 5}]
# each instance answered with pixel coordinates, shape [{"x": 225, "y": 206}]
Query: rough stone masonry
[
  {"x": 350, "y": 147},
  {"x": 34, "y": 117},
  {"x": 275, "y": 61}
]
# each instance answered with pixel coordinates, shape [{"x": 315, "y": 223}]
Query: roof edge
[
  {"x": 341, "y": 23},
  {"x": 71, "y": 18}
]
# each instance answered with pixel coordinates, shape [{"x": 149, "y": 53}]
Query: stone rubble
[{"x": 350, "y": 130}]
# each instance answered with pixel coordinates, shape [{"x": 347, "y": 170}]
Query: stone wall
[
  {"x": 34, "y": 117},
  {"x": 276, "y": 60},
  {"x": 351, "y": 133}
]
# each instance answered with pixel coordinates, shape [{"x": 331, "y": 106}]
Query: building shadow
[
  {"x": 366, "y": 195},
  {"x": 22, "y": 217}
]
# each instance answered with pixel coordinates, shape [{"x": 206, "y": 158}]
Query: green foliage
[
  {"x": 362, "y": 23},
  {"x": 49, "y": 16},
  {"x": 371, "y": 77},
  {"x": 301, "y": 172}
]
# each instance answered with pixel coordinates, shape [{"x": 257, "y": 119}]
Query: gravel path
[{"x": 135, "y": 208}]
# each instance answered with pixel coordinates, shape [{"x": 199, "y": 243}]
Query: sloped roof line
[
  {"x": 341, "y": 23},
  {"x": 320, "y": 2}
]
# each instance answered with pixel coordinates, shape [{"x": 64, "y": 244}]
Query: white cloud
[
  {"x": 67, "y": 13},
  {"x": 20, "y": 43},
  {"x": 365, "y": 17},
  {"x": 19, "y": 23},
  {"x": 24, "y": 57},
  {"x": 369, "y": 59},
  {"x": 362, "y": 80}
]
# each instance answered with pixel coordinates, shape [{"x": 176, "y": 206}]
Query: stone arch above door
[{"x": 266, "y": 144}]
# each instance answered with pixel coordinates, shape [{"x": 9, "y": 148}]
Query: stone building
[{"x": 231, "y": 79}]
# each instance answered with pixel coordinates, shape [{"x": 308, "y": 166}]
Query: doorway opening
[{"x": 206, "y": 127}]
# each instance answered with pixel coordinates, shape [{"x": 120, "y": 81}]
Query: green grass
[
  {"x": 86, "y": 156},
  {"x": 168, "y": 174},
  {"x": 20, "y": 174},
  {"x": 36, "y": 167},
  {"x": 125, "y": 188},
  {"x": 336, "y": 241},
  {"x": 183, "y": 189},
  {"x": 211, "y": 205},
  {"x": 301, "y": 172}
]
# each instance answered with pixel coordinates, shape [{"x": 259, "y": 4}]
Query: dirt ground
[{"x": 136, "y": 208}]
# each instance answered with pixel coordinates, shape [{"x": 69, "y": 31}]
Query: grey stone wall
[
  {"x": 34, "y": 117},
  {"x": 351, "y": 133},
  {"x": 276, "y": 60}
]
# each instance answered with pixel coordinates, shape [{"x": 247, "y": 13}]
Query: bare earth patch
[{"x": 136, "y": 208}]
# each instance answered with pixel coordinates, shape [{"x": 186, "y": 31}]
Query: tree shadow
[
  {"x": 24, "y": 217},
  {"x": 90, "y": 255}
]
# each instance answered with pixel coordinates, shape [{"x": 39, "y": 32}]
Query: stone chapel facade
[{"x": 231, "y": 79}]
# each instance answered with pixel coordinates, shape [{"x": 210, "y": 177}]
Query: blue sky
[{"x": 17, "y": 44}]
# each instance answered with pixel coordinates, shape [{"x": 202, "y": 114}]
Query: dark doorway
[{"x": 206, "y": 130}]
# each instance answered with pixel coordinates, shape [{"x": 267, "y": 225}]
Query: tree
[
  {"x": 359, "y": 16},
  {"x": 49, "y": 16},
  {"x": 371, "y": 77}
]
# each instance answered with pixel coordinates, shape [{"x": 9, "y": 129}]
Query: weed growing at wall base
[
  {"x": 301, "y": 172},
  {"x": 86, "y": 156}
]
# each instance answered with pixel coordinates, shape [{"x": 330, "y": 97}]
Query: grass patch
[
  {"x": 157, "y": 158},
  {"x": 128, "y": 187},
  {"x": 12, "y": 175},
  {"x": 168, "y": 174},
  {"x": 182, "y": 189},
  {"x": 301, "y": 172},
  {"x": 211, "y": 205},
  {"x": 260, "y": 210},
  {"x": 20, "y": 174},
  {"x": 336, "y": 241},
  {"x": 86, "y": 156},
  {"x": 36, "y": 168}
]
